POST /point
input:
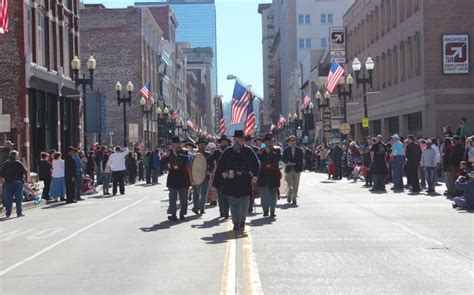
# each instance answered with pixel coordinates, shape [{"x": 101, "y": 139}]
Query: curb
[{"x": 25, "y": 206}]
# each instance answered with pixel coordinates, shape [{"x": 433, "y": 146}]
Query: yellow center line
[
  {"x": 252, "y": 281},
  {"x": 229, "y": 275}
]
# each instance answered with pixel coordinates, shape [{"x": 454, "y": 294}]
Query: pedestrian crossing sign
[{"x": 365, "y": 122}]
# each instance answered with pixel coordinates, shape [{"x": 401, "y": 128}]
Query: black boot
[{"x": 265, "y": 214}]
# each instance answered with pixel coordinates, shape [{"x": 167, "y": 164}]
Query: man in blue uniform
[
  {"x": 224, "y": 143},
  {"x": 178, "y": 179},
  {"x": 239, "y": 165},
  {"x": 269, "y": 176}
]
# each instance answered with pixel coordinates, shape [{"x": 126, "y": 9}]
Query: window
[
  {"x": 323, "y": 18},
  {"x": 402, "y": 10},
  {"x": 383, "y": 70},
  {"x": 418, "y": 54},
  {"x": 307, "y": 19},
  {"x": 67, "y": 50},
  {"x": 389, "y": 68},
  {"x": 301, "y": 19},
  {"x": 308, "y": 43},
  {"x": 301, "y": 43},
  {"x": 394, "y": 13},
  {"x": 41, "y": 40},
  {"x": 388, "y": 14},
  {"x": 415, "y": 124},
  {"x": 329, "y": 17},
  {"x": 395, "y": 65},
  {"x": 402, "y": 61},
  {"x": 324, "y": 43},
  {"x": 411, "y": 55},
  {"x": 416, "y": 5}
]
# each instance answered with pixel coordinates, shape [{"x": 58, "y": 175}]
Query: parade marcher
[
  {"x": 429, "y": 161},
  {"x": 44, "y": 172},
  {"x": 178, "y": 181},
  {"x": 58, "y": 184},
  {"x": 336, "y": 157},
  {"x": 200, "y": 190},
  {"x": 379, "y": 164},
  {"x": 398, "y": 154},
  {"x": 70, "y": 175},
  {"x": 99, "y": 156},
  {"x": 212, "y": 160},
  {"x": 79, "y": 175},
  {"x": 413, "y": 156},
  {"x": 148, "y": 164},
  {"x": 132, "y": 167},
  {"x": 269, "y": 175},
  {"x": 156, "y": 165},
  {"x": 239, "y": 165},
  {"x": 293, "y": 159},
  {"x": 367, "y": 163},
  {"x": 218, "y": 182},
  {"x": 14, "y": 174},
  {"x": 117, "y": 163}
]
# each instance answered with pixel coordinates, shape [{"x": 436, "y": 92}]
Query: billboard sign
[{"x": 455, "y": 54}]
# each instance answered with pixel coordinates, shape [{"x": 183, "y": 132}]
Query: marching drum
[{"x": 198, "y": 169}]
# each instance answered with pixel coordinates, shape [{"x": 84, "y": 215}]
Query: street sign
[
  {"x": 337, "y": 36},
  {"x": 299, "y": 133},
  {"x": 345, "y": 128},
  {"x": 456, "y": 54},
  {"x": 365, "y": 122}
]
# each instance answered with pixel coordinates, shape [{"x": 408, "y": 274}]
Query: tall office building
[{"x": 197, "y": 25}]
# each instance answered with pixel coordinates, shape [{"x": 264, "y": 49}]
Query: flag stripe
[
  {"x": 334, "y": 76},
  {"x": 3, "y": 17}
]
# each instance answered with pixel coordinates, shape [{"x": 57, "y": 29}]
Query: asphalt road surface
[{"x": 341, "y": 239}]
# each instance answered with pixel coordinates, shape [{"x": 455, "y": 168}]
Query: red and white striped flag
[
  {"x": 272, "y": 128},
  {"x": 306, "y": 101},
  {"x": 281, "y": 121},
  {"x": 175, "y": 114},
  {"x": 334, "y": 76},
  {"x": 250, "y": 122},
  {"x": 3, "y": 16},
  {"x": 240, "y": 102},
  {"x": 190, "y": 124},
  {"x": 145, "y": 92}
]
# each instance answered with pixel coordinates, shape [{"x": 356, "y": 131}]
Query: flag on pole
[
  {"x": 223, "y": 127},
  {"x": 175, "y": 114},
  {"x": 306, "y": 101},
  {"x": 250, "y": 121},
  {"x": 281, "y": 121},
  {"x": 335, "y": 74},
  {"x": 3, "y": 16},
  {"x": 190, "y": 124},
  {"x": 272, "y": 128},
  {"x": 240, "y": 102}
]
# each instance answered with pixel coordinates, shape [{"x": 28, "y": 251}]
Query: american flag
[
  {"x": 190, "y": 124},
  {"x": 240, "y": 103},
  {"x": 281, "y": 121},
  {"x": 306, "y": 101},
  {"x": 250, "y": 121},
  {"x": 223, "y": 127},
  {"x": 272, "y": 127},
  {"x": 145, "y": 92},
  {"x": 175, "y": 114},
  {"x": 334, "y": 76},
  {"x": 3, "y": 16}
]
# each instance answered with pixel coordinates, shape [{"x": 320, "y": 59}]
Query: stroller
[{"x": 356, "y": 167}]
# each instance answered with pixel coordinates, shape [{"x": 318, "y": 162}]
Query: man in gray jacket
[{"x": 429, "y": 160}]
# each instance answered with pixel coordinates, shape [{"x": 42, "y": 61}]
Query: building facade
[
  {"x": 35, "y": 75},
  {"x": 197, "y": 25},
  {"x": 410, "y": 94},
  {"x": 127, "y": 44}
]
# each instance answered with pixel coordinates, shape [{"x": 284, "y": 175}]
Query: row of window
[
  {"x": 325, "y": 18},
  {"x": 380, "y": 21},
  {"x": 306, "y": 43}
]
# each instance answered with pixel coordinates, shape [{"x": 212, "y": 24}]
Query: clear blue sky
[{"x": 239, "y": 41}]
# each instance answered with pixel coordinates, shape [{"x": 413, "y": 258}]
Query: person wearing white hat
[{"x": 398, "y": 154}]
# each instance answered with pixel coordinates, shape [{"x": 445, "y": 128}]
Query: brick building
[
  {"x": 35, "y": 77},
  {"x": 127, "y": 44},
  {"x": 410, "y": 93}
]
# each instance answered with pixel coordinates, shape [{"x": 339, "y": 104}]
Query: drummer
[
  {"x": 223, "y": 200},
  {"x": 269, "y": 176},
  {"x": 178, "y": 181},
  {"x": 200, "y": 190},
  {"x": 240, "y": 170}
]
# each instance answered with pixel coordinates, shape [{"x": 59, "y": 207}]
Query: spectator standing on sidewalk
[
  {"x": 132, "y": 168},
  {"x": 413, "y": 155},
  {"x": 156, "y": 162},
  {"x": 14, "y": 173},
  {"x": 429, "y": 161},
  {"x": 398, "y": 154},
  {"x": 106, "y": 172},
  {"x": 79, "y": 179},
  {"x": 58, "y": 185},
  {"x": 455, "y": 158},
  {"x": 117, "y": 163},
  {"x": 99, "y": 156},
  {"x": 70, "y": 176},
  {"x": 147, "y": 163},
  {"x": 45, "y": 170},
  {"x": 90, "y": 167},
  {"x": 379, "y": 164},
  {"x": 463, "y": 129}
]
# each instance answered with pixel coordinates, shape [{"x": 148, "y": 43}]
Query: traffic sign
[
  {"x": 365, "y": 122},
  {"x": 345, "y": 128},
  {"x": 338, "y": 44},
  {"x": 299, "y": 133}
]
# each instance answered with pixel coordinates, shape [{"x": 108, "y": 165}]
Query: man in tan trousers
[{"x": 293, "y": 159}]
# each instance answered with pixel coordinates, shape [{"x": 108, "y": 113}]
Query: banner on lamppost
[{"x": 132, "y": 132}]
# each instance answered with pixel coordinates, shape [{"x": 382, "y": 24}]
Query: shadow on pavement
[
  {"x": 327, "y": 181},
  {"x": 166, "y": 224},
  {"x": 55, "y": 205},
  {"x": 222, "y": 237},
  {"x": 285, "y": 206},
  {"x": 262, "y": 221},
  {"x": 207, "y": 223}
]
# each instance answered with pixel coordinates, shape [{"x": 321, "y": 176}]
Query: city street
[{"x": 342, "y": 239}]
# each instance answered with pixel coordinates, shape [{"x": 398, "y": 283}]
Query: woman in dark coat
[{"x": 45, "y": 170}]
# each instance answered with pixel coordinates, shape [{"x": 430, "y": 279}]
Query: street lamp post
[
  {"x": 322, "y": 106},
  {"x": 124, "y": 100},
  {"x": 76, "y": 66},
  {"x": 146, "y": 112},
  {"x": 364, "y": 80},
  {"x": 342, "y": 92}
]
